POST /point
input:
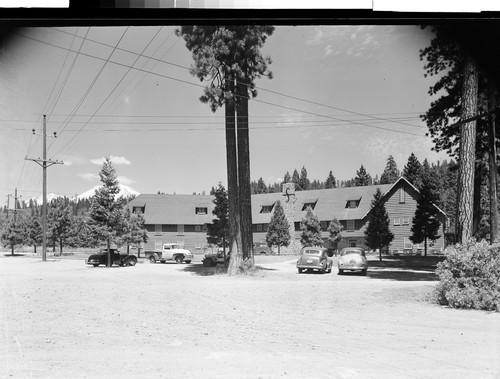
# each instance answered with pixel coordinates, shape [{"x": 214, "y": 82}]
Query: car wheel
[
  {"x": 262, "y": 253},
  {"x": 341, "y": 271},
  {"x": 95, "y": 264},
  {"x": 188, "y": 262},
  {"x": 363, "y": 272},
  {"x": 132, "y": 262},
  {"x": 323, "y": 269},
  {"x": 152, "y": 259},
  {"x": 178, "y": 259},
  {"x": 300, "y": 271}
]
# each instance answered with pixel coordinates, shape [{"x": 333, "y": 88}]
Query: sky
[{"x": 340, "y": 97}]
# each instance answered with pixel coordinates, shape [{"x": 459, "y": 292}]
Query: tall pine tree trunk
[
  {"x": 244, "y": 171},
  {"x": 232, "y": 176},
  {"x": 492, "y": 153},
  {"x": 467, "y": 152}
]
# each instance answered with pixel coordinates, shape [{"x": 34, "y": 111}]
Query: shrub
[{"x": 469, "y": 277}]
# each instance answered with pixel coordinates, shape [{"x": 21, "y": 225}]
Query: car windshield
[
  {"x": 357, "y": 252},
  {"x": 312, "y": 252}
]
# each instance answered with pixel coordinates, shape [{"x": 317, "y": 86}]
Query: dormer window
[
  {"x": 138, "y": 210},
  {"x": 201, "y": 210},
  {"x": 267, "y": 208},
  {"x": 309, "y": 203},
  {"x": 352, "y": 203}
]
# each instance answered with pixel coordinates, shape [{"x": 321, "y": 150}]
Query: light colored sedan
[
  {"x": 352, "y": 259},
  {"x": 314, "y": 258}
]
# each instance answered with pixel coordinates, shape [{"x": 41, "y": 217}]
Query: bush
[{"x": 469, "y": 277}]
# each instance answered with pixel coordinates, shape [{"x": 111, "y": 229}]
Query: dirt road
[{"x": 63, "y": 319}]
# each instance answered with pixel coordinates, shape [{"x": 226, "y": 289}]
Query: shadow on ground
[
  {"x": 199, "y": 269},
  {"x": 405, "y": 268}
]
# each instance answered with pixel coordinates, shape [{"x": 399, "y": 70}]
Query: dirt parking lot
[{"x": 64, "y": 319}]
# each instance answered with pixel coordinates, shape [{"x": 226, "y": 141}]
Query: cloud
[
  {"x": 114, "y": 160},
  {"x": 89, "y": 176},
  {"x": 125, "y": 180}
]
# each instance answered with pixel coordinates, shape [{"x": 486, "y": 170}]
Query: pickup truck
[{"x": 170, "y": 252}]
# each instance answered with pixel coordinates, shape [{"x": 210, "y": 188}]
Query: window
[
  {"x": 406, "y": 220},
  {"x": 350, "y": 225},
  {"x": 309, "y": 203},
  {"x": 402, "y": 195},
  {"x": 201, "y": 210},
  {"x": 259, "y": 227},
  {"x": 407, "y": 243},
  {"x": 158, "y": 229},
  {"x": 180, "y": 229},
  {"x": 138, "y": 210},
  {"x": 397, "y": 221},
  {"x": 352, "y": 243},
  {"x": 352, "y": 203},
  {"x": 197, "y": 228},
  {"x": 324, "y": 224},
  {"x": 204, "y": 227},
  {"x": 267, "y": 208}
]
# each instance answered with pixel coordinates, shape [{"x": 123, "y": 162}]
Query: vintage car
[
  {"x": 314, "y": 258},
  {"x": 261, "y": 248},
  {"x": 352, "y": 259},
  {"x": 214, "y": 259},
  {"x": 171, "y": 252},
  {"x": 121, "y": 259}
]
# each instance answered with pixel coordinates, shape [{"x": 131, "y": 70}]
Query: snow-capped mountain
[
  {"x": 50, "y": 197},
  {"x": 125, "y": 191}
]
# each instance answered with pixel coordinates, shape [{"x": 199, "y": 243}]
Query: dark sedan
[{"x": 117, "y": 258}]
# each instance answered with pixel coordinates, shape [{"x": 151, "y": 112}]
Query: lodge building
[{"x": 183, "y": 219}]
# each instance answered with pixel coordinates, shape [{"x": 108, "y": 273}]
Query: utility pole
[
  {"x": 8, "y": 204},
  {"x": 44, "y": 163},
  {"x": 15, "y": 205}
]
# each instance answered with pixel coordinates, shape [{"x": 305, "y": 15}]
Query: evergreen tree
[
  {"x": 105, "y": 212},
  {"x": 335, "y": 233},
  {"x": 12, "y": 234},
  {"x": 229, "y": 58},
  {"x": 311, "y": 230},
  {"x": 33, "y": 231},
  {"x": 378, "y": 233},
  {"x": 425, "y": 224},
  {"x": 287, "y": 178},
  {"x": 134, "y": 231},
  {"x": 304, "y": 182},
  {"x": 261, "y": 186},
  {"x": 362, "y": 178},
  {"x": 296, "y": 180},
  {"x": 218, "y": 230},
  {"x": 413, "y": 171},
  {"x": 278, "y": 232},
  {"x": 330, "y": 181},
  {"x": 59, "y": 220},
  {"x": 391, "y": 172}
]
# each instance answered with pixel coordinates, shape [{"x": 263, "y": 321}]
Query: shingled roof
[
  {"x": 175, "y": 209},
  {"x": 330, "y": 203}
]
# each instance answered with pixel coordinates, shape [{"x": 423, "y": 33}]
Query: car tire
[
  {"x": 262, "y": 253},
  {"x": 363, "y": 272},
  {"x": 323, "y": 269},
  {"x": 152, "y": 259},
  {"x": 132, "y": 262},
  {"x": 300, "y": 270},
  {"x": 188, "y": 262},
  {"x": 95, "y": 264},
  {"x": 178, "y": 259},
  {"x": 341, "y": 272}
]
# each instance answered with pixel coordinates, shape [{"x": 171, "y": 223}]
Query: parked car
[
  {"x": 352, "y": 259},
  {"x": 121, "y": 259},
  {"x": 261, "y": 248},
  {"x": 214, "y": 259},
  {"x": 170, "y": 252},
  {"x": 314, "y": 258}
]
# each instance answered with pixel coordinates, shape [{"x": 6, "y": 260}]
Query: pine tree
[
  {"x": 362, "y": 178},
  {"x": 218, "y": 230},
  {"x": 12, "y": 234},
  {"x": 261, "y": 186},
  {"x": 304, "y": 182},
  {"x": 296, "y": 180},
  {"x": 59, "y": 219},
  {"x": 287, "y": 178},
  {"x": 33, "y": 231},
  {"x": 391, "y": 172},
  {"x": 335, "y": 233},
  {"x": 378, "y": 233},
  {"x": 278, "y": 233},
  {"x": 134, "y": 231},
  {"x": 311, "y": 230},
  {"x": 330, "y": 181},
  {"x": 413, "y": 171},
  {"x": 105, "y": 212},
  {"x": 425, "y": 225}
]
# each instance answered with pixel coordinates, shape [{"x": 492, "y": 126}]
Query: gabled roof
[
  {"x": 330, "y": 203},
  {"x": 175, "y": 209}
]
